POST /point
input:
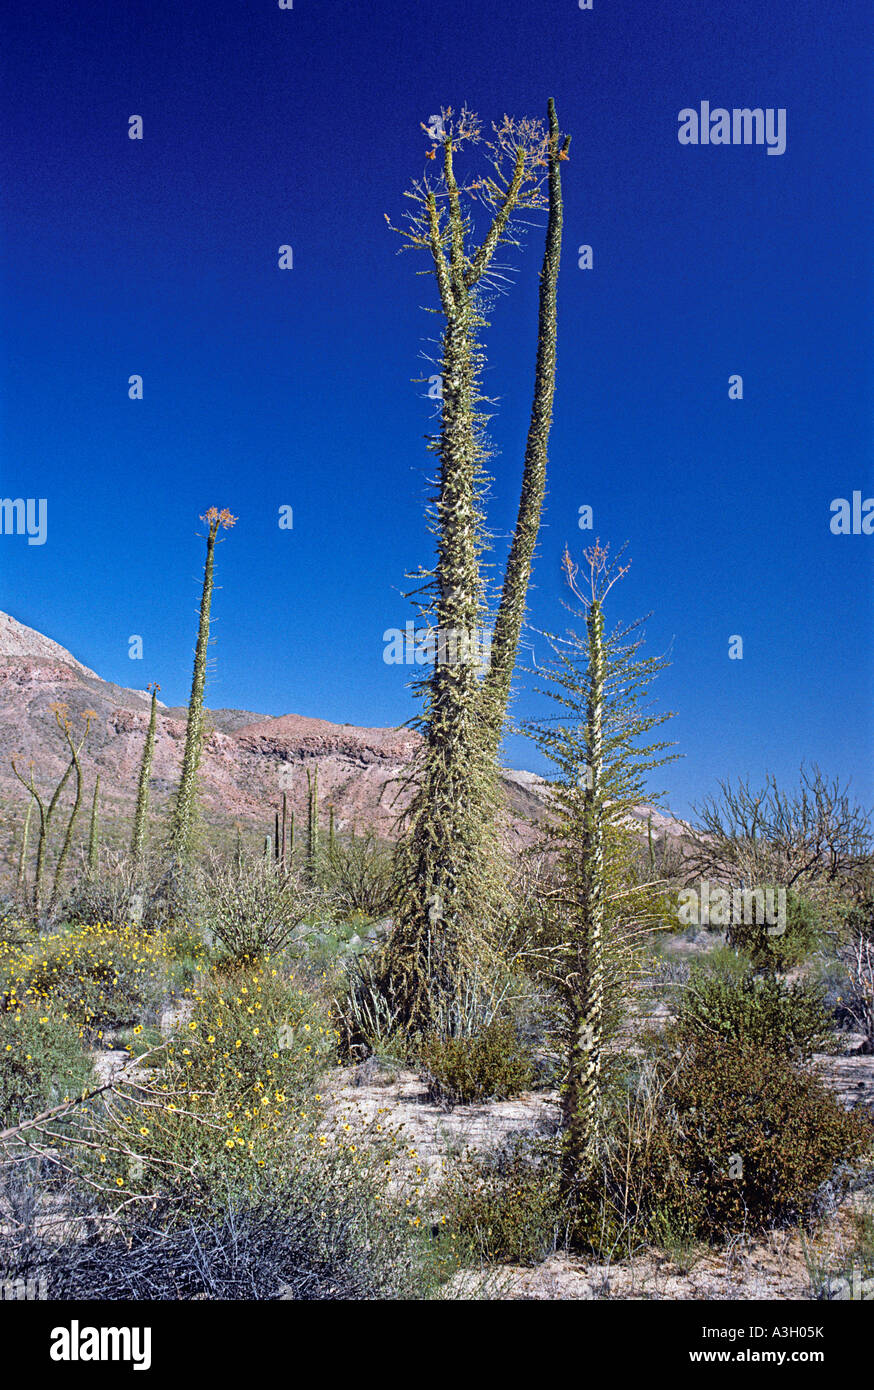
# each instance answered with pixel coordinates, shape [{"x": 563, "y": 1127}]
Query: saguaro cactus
[{"x": 182, "y": 829}]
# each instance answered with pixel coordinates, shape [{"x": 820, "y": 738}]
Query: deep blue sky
[{"x": 265, "y": 388}]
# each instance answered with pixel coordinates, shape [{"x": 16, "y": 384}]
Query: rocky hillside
[{"x": 249, "y": 759}]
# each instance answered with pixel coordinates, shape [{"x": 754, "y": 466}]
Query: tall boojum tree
[
  {"x": 449, "y": 878},
  {"x": 141, "y": 812},
  {"x": 183, "y": 824}
]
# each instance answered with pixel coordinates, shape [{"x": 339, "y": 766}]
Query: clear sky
[{"x": 265, "y": 388}]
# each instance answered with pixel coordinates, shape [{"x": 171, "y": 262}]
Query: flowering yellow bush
[
  {"x": 99, "y": 977},
  {"x": 234, "y": 1083}
]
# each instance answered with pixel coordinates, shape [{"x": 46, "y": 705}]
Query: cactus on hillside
[{"x": 312, "y": 820}]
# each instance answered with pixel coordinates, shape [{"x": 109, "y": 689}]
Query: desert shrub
[
  {"x": 724, "y": 1139},
  {"x": 235, "y": 1083},
  {"x": 328, "y": 944},
  {"x": 755, "y": 1139},
  {"x": 733, "y": 1003},
  {"x": 491, "y": 1065},
  {"x": 109, "y": 894},
  {"x": 503, "y": 1205},
  {"x": 856, "y": 956},
  {"x": 188, "y": 953},
  {"x": 357, "y": 876},
  {"x": 325, "y": 1228},
  {"x": 772, "y": 950},
  {"x": 14, "y": 928},
  {"x": 41, "y": 1062},
  {"x": 253, "y": 908},
  {"x": 100, "y": 976},
  {"x": 369, "y": 1015},
  {"x": 637, "y": 1191}
]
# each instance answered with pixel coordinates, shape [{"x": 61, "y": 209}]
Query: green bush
[
  {"x": 241, "y": 1079},
  {"x": 491, "y": 1065},
  {"x": 358, "y": 878},
  {"x": 734, "y": 1004},
  {"x": 772, "y": 950},
  {"x": 752, "y": 1137},
  {"x": 41, "y": 1063},
  {"x": 253, "y": 908},
  {"x": 503, "y": 1206}
]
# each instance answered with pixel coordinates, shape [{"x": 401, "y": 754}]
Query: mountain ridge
[{"x": 249, "y": 759}]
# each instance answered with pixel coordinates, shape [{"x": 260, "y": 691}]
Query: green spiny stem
[
  {"x": 283, "y": 849},
  {"x": 77, "y": 802},
  {"x": 312, "y": 819},
  {"x": 22, "y": 857},
  {"x": 511, "y": 612},
  {"x": 586, "y": 980},
  {"x": 449, "y": 878},
  {"x": 93, "y": 830},
  {"x": 182, "y": 831},
  {"x": 141, "y": 812},
  {"x": 603, "y": 766}
]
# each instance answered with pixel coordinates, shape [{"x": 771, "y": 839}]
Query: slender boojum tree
[
  {"x": 46, "y": 812},
  {"x": 182, "y": 829},
  {"x": 141, "y": 812},
  {"x": 75, "y": 751},
  {"x": 22, "y": 856},
  {"x": 93, "y": 830},
  {"x": 517, "y": 575},
  {"x": 312, "y": 852},
  {"x": 596, "y": 746}
]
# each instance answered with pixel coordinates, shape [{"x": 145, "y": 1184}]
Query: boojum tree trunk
[
  {"x": 450, "y": 881},
  {"x": 183, "y": 826},
  {"x": 585, "y": 976},
  {"x": 141, "y": 812},
  {"x": 93, "y": 830},
  {"x": 517, "y": 576}
]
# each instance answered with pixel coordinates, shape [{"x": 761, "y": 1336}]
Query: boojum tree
[
  {"x": 184, "y": 820},
  {"x": 94, "y": 831},
  {"x": 450, "y": 882},
  {"x": 141, "y": 811},
  {"x": 600, "y": 747}
]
